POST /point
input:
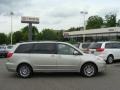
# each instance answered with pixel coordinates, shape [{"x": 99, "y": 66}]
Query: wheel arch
[
  {"x": 23, "y": 64},
  {"x": 88, "y": 63},
  {"x": 110, "y": 55}
]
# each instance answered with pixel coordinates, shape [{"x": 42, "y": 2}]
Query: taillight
[
  {"x": 100, "y": 49},
  {"x": 9, "y": 54}
]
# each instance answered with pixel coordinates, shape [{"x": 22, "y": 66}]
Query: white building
[{"x": 103, "y": 34}]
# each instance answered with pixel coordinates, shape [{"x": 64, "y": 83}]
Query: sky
[{"x": 54, "y": 14}]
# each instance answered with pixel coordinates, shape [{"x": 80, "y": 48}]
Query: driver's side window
[{"x": 65, "y": 49}]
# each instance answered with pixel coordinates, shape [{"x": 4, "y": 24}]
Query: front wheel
[
  {"x": 24, "y": 71},
  {"x": 89, "y": 70}
]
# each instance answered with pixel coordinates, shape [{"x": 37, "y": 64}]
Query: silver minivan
[{"x": 51, "y": 56}]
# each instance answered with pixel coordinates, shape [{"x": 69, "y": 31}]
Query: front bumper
[
  {"x": 103, "y": 56},
  {"x": 11, "y": 67},
  {"x": 101, "y": 67}
]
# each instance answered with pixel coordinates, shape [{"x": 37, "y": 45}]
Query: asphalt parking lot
[{"x": 109, "y": 80}]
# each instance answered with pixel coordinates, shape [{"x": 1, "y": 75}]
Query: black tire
[
  {"x": 24, "y": 71},
  {"x": 110, "y": 59},
  {"x": 89, "y": 70}
]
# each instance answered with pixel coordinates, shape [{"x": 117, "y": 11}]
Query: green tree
[
  {"x": 118, "y": 23},
  {"x": 94, "y": 22},
  {"x": 3, "y": 38},
  {"x": 72, "y": 29},
  {"x": 49, "y": 34},
  {"x": 110, "y": 20},
  {"x": 39, "y": 36},
  {"x": 25, "y": 32},
  {"x": 75, "y": 29},
  {"x": 8, "y": 38},
  {"x": 60, "y": 35},
  {"x": 17, "y": 36}
]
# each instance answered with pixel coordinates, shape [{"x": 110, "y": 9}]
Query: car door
[
  {"x": 116, "y": 50},
  {"x": 110, "y": 48},
  {"x": 43, "y": 56},
  {"x": 66, "y": 58},
  {"x": 119, "y": 50}
]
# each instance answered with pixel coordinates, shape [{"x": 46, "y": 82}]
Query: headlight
[{"x": 100, "y": 60}]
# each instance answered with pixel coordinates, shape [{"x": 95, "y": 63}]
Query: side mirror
[{"x": 75, "y": 53}]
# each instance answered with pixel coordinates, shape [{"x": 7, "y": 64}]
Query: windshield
[
  {"x": 9, "y": 47},
  {"x": 2, "y": 47}
]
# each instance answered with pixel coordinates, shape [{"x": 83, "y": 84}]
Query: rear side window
[
  {"x": 95, "y": 45},
  {"x": 116, "y": 45},
  {"x": 108, "y": 45},
  {"x": 112, "y": 45},
  {"x": 85, "y": 45},
  {"x": 24, "y": 48},
  {"x": 44, "y": 48}
]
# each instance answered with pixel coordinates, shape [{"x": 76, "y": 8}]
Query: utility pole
[
  {"x": 30, "y": 32},
  {"x": 84, "y": 13},
  {"x": 11, "y": 36}
]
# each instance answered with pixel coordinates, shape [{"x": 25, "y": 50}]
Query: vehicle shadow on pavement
[
  {"x": 63, "y": 75},
  {"x": 57, "y": 75},
  {"x": 101, "y": 74},
  {"x": 116, "y": 62}
]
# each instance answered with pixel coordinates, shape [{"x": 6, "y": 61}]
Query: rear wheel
[
  {"x": 110, "y": 59},
  {"x": 24, "y": 71},
  {"x": 89, "y": 70}
]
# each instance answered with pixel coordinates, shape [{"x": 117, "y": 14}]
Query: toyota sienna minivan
[{"x": 51, "y": 56}]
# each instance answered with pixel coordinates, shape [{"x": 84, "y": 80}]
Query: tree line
[
  {"x": 22, "y": 35},
  {"x": 109, "y": 20},
  {"x": 93, "y": 22},
  {"x": 96, "y": 22}
]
